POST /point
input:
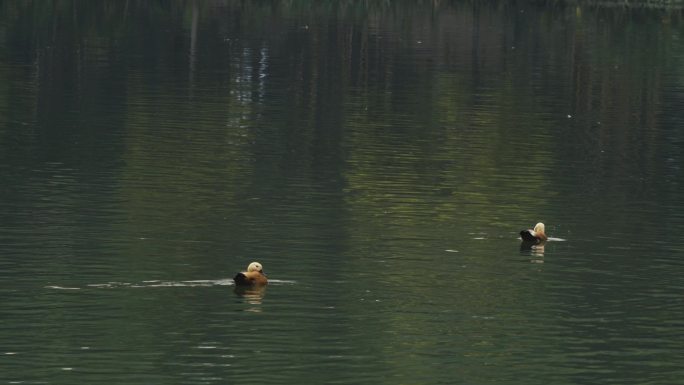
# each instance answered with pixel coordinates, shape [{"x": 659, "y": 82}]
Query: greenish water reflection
[{"x": 379, "y": 158}]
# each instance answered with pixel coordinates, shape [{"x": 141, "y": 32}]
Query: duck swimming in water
[
  {"x": 254, "y": 276},
  {"x": 535, "y": 235}
]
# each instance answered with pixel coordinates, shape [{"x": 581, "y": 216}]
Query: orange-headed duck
[
  {"x": 535, "y": 235},
  {"x": 254, "y": 276}
]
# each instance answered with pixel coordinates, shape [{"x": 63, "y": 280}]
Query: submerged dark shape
[
  {"x": 535, "y": 235},
  {"x": 254, "y": 276}
]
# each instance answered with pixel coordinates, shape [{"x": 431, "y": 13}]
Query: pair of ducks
[{"x": 254, "y": 276}]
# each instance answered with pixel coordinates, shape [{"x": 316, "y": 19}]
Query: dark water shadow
[{"x": 535, "y": 250}]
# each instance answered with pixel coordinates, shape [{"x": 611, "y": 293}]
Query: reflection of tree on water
[{"x": 252, "y": 295}]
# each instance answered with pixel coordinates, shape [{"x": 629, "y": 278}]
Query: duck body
[
  {"x": 254, "y": 276},
  {"x": 535, "y": 235}
]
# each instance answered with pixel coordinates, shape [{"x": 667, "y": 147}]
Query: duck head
[{"x": 256, "y": 266}]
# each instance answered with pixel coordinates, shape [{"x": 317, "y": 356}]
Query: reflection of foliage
[
  {"x": 380, "y": 97},
  {"x": 368, "y": 128}
]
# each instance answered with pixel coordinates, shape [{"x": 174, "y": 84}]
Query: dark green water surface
[{"x": 377, "y": 157}]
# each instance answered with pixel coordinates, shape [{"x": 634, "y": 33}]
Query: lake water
[{"x": 378, "y": 158}]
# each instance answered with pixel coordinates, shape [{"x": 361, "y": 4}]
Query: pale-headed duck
[
  {"x": 535, "y": 235},
  {"x": 254, "y": 276}
]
